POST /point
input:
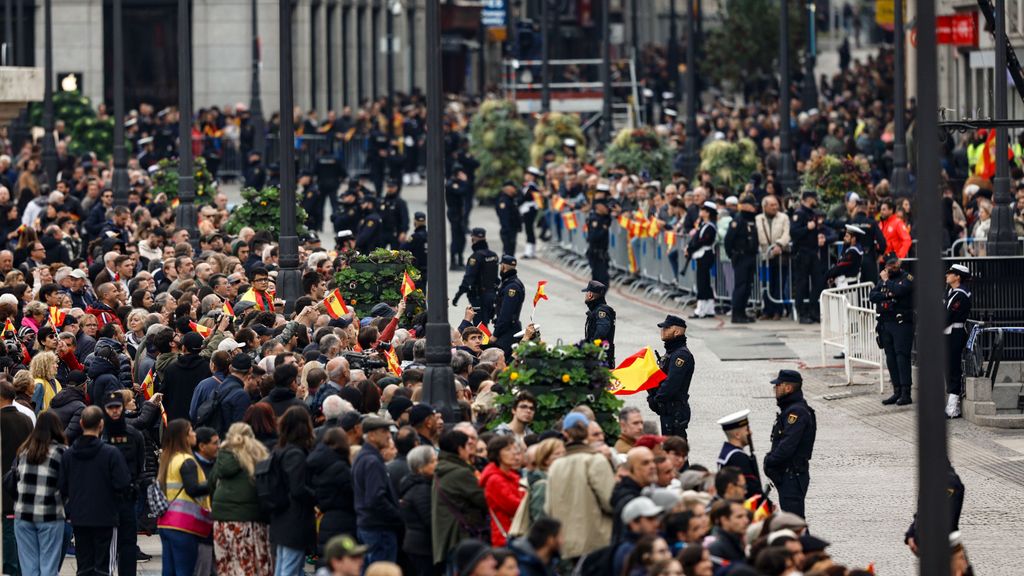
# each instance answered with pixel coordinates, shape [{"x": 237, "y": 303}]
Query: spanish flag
[
  {"x": 9, "y": 326},
  {"x": 653, "y": 227},
  {"x": 227, "y": 309},
  {"x": 264, "y": 302},
  {"x": 624, "y": 221},
  {"x": 393, "y": 365},
  {"x": 200, "y": 329},
  {"x": 175, "y": 203},
  {"x": 407, "y": 286},
  {"x": 760, "y": 506},
  {"x": 487, "y": 333},
  {"x": 636, "y": 373},
  {"x": 538, "y": 199},
  {"x": 557, "y": 202},
  {"x": 148, "y": 386},
  {"x": 670, "y": 239},
  {"x": 335, "y": 304},
  {"x": 569, "y": 218},
  {"x": 540, "y": 295},
  {"x": 56, "y": 317}
]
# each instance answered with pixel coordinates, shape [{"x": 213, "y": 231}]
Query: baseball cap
[
  {"x": 640, "y": 507},
  {"x": 343, "y": 546},
  {"x": 77, "y": 273},
  {"x": 228, "y": 345},
  {"x": 193, "y": 342},
  {"x": 419, "y": 413},
  {"x": 573, "y": 419},
  {"x": 241, "y": 363},
  {"x": 791, "y": 376}
]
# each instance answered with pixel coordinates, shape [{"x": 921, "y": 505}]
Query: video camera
[{"x": 364, "y": 362}]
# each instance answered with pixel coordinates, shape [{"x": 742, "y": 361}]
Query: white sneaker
[
  {"x": 531, "y": 250},
  {"x": 406, "y": 179},
  {"x": 416, "y": 179},
  {"x": 953, "y": 406}
]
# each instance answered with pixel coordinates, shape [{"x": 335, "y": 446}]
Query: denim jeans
[
  {"x": 11, "y": 564},
  {"x": 40, "y": 546},
  {"x": 382, "y": 545},
  {"x": 289, "y": 561},
  {"x": 180, "y": 551}
]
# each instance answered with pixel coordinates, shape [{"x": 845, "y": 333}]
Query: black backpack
[
  {"x": 271, "y": 485},
  {"x": 209, "y": 413}
]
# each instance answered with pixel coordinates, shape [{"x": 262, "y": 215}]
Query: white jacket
[{"x": 774, "y": 231}]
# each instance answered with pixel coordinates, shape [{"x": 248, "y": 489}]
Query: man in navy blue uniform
[
  {"x": 787, "y": 464},
  {"x": 737, "y": 433},
  {"x": 893, "y": 297},
  {"x": 511, "y": 295},
  {"x": 507, "y": 206},
  {"x": 598, "y": 223},
  {"x": 600, "y": 320},
  {"x": 480, "y": 282},
  {"x": 369, "y": 237},
  {"x": 808, "y": 269},
  {"x": 848, "y": 268},
  {"x": 671, "y": 400}
]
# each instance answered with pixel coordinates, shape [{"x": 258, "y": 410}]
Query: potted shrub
[
  {"x": 500, "y": 142},
  {"x": 367, "y": 279}
]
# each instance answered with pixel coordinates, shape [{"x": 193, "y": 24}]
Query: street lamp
[
  {"x": 1001, "y": 235},
  {"x": 259, "y": 129},
  {"x": 8, "y": 33},
  {"x": 289, "y": 278},
  {"x": 394, "y": 9},
  {"x": 900, "y": 176},
  {"x": 691, "y": 154},
  {"x": 120, "y": 154},
  {"x": 787, "y": 173},
  {"x": 360, "y": 18},
  {"x": 810, "y": 96},
  {"x": 185, "y": 215},
  {"x": 374, "y": 49},
  {"x": 606, "y": 75},
  {"x": 410, "y": 29},
  {"x": 545, "y": 50},
  {"x": 438, "y": 379},
  {"x": 673, "y": 46},
  {"x": 49, "y": 148}
]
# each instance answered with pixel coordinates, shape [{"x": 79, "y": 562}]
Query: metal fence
[
  {"x": 848, "y": 323},
  {"x": 351, "y": 153}
]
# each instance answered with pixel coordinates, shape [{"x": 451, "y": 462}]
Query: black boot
[
  {"x": 904, "y": 397},
  {"x": 456, "y": 263},
  {"x": 894, "y": 398}
]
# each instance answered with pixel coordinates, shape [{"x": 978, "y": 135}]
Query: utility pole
[
  {"x": 1001, "y": 235},
  {"x": 673, "y": 48},
  {"x": 545, "y": 48},
  {"x": 810, "y": 96},
  {"x": 120, "y": 153},
  {"x": 389, "y": 64},
  {"x": 289, "y": 279},
  {"x": 259, "y": 128},
  {"x": 606, "y": 75},
  {"x": 691, "y": 154},
  {"x": 185, "y": 215},
  {"x": 787, "y": 173},
  {"x": 49, "y": 147}
]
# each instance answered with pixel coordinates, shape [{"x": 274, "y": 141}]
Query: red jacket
[
  {"x": 503, "y": 494},
  {"x": 104, "y": 315},
  {"x": 897, "y": 237}
]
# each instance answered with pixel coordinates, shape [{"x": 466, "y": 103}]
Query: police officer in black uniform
[
  {"x": 600, "y": 320},
  {"x": 958, "y": 309},
  {"x": 737, "y": 432},
  {"x": 511, "y": 295},
  {"x": 308, "y": 194},
  {"x": 507, "y": 206},
  {"x": 808, "y": 269},
  {"x": 528, "y": 207},
  {"x": 328, "y": 178},
  {"x": 253, "y": 174},
  {"x": 130, "y": 442},
  {"x": 848, "y": 268},
  {"x": 873, "y": 243},
  {"x": 480, "y": 282},
  {"x": 377, "y": 159},
  {"x": 417, "y": 244},
  {"x": 369, "y": 237},
  {"x": 394, "y": 214},
  {"x": 741, "y": 245},
  {"x": 598, "y": 223},
  {"x": 671, "y": 400},
  {"x": 455, "y": 192},
  {"x": 893, "y": 297},
  {"x": 349, "y": 213},
  {"x": 787, "y": 464}
]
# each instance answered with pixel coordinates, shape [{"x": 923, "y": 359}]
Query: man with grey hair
[
  {"x": 330, "y": 348},
  {"x": 494, "y": 356},
  {"x": 462, "y": 365},
  {"x": 338, "y": 375},
  {"x": 333, "y": 408}
]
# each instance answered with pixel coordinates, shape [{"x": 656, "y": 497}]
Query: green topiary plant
[
  {"x": 261, "y": 210},
  {"x": 730, "y": 164},
  {"x": 165, "y": 180},
  {"x": 833, "y": 177},
  {"x": 640, "y": 150},
  {"x": 88, "y": 133},
  {"x": 561, "y": 377},
  {"x": 500, "y": 142},
  {"x": 551, "y": 129},
  {"x": 377, "y": 277}
]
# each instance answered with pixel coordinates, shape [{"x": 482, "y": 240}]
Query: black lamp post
[
  {"x": 787, "y": 172},
  {"x": 691, "y": 154},
  {"x": 8, "y": 33},
  {"x": 360, "y": 25},
  {"x": 438, "y": 379},
  {"x": 49, "y": 147},
  {"x": 120, "y": 154},
  {"x": 374, "y": 48},
  {"x": 634, "y": 28},
  {"x": 673, "y": 46},
  {"x": 185, "y": 215},
  {"x": 389, "y": 24},
  {"x": 1001, "y": 235},
  {"x": 810, "y": 95},
  {"x": 545, "y": 54},
  {"x": 606, "y": 75},
  {"x": 900, "y": 177},
  {"x": 410, "y": 35},
  {"x": 259, "y": 128},
  {"x": 289, "y": 279}
]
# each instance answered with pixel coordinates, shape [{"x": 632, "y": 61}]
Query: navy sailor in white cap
[
  {"x": 737, "y": 433},
  {"x": 958, "y": 308},
  {"x": 847, "y": 269}
]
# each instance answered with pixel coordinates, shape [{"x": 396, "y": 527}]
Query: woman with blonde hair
[
  {"x": 547, "y": 451},
  {"x": 187, "y": 520},
  {"x": 241, "y": 537},
  {"x": 44, "y": 375}
]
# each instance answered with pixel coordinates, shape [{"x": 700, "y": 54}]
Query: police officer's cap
[
  {"x": 509, "y": 260},
  {"x": 596, "y": 287},
  {"x": 535, "y": 171},
  {"x": 671, "y": 320},
  {"x": 457, "y": 168},
  {"x": 788, "y": 377},
  {"x": 891, "y": 257},
  {"x": 113, "y": 399},
  {"x": 808, "y": 194},
  {"x": 960, "y": 270},
  {"x": 508, "y": 183},
  {"x": 419, "y": 217},
  {"x": 343, "y": 234},
  {"x": 369, "y": 199},
  {"x": 392, "y": 182},
  {"x": 603, "y": 201},
  {"x": 709, "y": 205},
  {"x": 349, "y": 192},
  {"x": 478, "y": 233},
  {"x": 855, "y": 230},
  {"x": 734, "y": 420}
]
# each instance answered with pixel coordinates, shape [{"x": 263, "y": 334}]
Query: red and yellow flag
[
  {"x": 407, "y": 286},
  {"x": 760, "y": 506},
  {"x": 653, "y": 227},
  {"x": 558, "y": 203},
  {"x": 540, "y": 295},
  {"x": 394, "y": 366},
  {"x": 569, "y": 218},
  {"x": 538, "y": 199},
  {"x": 228, "y": 309},
  {"x": 200, "y": 329},
  {"x": 148, "y": 386},
  {"x": 9, "y": 326},
  {"x": 637, "y": 373},
  {"x": 624, "y": 221},
  {"x": 487, "y": 333},
  {"x": 670, "y": 239},
  {"x": 56, "y": 317},
  {"x": 335, "y": 304},
  {"x": 175, "y": 203},
  {"x": 986, "y": 167}
]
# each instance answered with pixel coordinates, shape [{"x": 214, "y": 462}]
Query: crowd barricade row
[
  {"x": 848, "y": 324},
  {"x": 231, "y": 160},
  {"x": 352, "y": 153}
]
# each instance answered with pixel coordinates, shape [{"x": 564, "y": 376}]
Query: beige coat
[
  {"x": 580, "y": 488},
  {"x": 772, "y": 232}
]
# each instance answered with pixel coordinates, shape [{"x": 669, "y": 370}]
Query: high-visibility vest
[{"x": 974, "y": 154}]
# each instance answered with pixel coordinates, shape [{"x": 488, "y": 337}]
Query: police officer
[
  {"x": 369, "y": 237},
  {"x": 377, "y": 159},
  {"x": 958, "y": 308},
  {"x": 309, "y": 197},
  {"x": 848, "y": 268},
  {"x": 455, "y": 192},
  {"x": 328, "y": 178},
  {"x": 394, "y": 214},
  {"x": 507, "y": 207},
  {"x": 741, "y": 246},
  {"x": 254, "y": 175},
  {"x": 130, "y": 442},
  {"x": 349, "y": 213},
  {"x": 528, "y": 207},
  {"x": 417, "y": 244},
  {"x": 600, "y": 320},
  {"x": 598, "y": 223},
  {"x": 702, "y": 249},
  {"x": 671, "y": 400},
  {"x": 873, "y": 242},
  {"x": 480, "y": 281},
  {"x": 808, "y": 270},
  {"x": 893, "y": 297},
  {"x": 511, "y": 295},
  {"x": 787, "y": 464},
  {"x": 737, "y": 433}
]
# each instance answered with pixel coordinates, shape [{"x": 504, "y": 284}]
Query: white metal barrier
[
  {"x": 861, "y": 345},
  {"x": 848, "y": 323}
]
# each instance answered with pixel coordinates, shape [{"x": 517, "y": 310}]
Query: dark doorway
[
  {"x": 150, "y": 53},
  {"x": 27, "y": 45}
]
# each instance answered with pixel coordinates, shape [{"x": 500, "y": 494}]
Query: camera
[{"x": 365, "y": 362}]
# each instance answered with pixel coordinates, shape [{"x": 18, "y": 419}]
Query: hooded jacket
[
  {"x": 68, "y": 405},
  {"x": 179, "y": 383},
  {"x": 93, "y": 480},
  {"x": 414, "y": 499},
  {"x": 281, "y": 399},
  {"x": 462, "y": 495},
  {"x": 331, "y": 478},
  {"x": 102, "y": 377}
]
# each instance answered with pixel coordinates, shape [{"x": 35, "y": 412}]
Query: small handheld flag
[
  {"x": 487, "y": 333},
  {"x": 228, "y": 309},
  {"x": 637, "y": 373},
  {"x": 569, "y": 218},
  {"x": 148, "y": 386},
  {"x": 9, "y": 326},
  {"x": 56, "y": 317},
  {"x": 407, "y": 286},
  {"x": 335, "y": 304},
  {"x": 200, "y": 329},
  {"x": 558, "y": 203},
  {"x": 393, "y": 365},
  {"x": 540, "y": 295}
]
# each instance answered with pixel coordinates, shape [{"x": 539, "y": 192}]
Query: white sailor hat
[
  {"x": 602, "y": 186},
  {"x": 709, "y": 205},
  {"x": 670, "y": 112},
  {"x": 535, "y": 171},
  {"x": 855, "y": 230},
  {"x": 570, "y": 142},
  {"x": 734, "y": 420},
  {"x": 959, "y": 269},
  {"x": 145, "y": 140}
]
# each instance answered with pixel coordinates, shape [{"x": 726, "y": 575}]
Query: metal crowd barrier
[
  {"x": 230, "y": 161},
  {"x": 975, "y": 247},
  {"x": 848, "y": 323},
  {"x": 353, "y": 153}
]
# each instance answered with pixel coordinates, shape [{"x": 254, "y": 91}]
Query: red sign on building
[{"x": 957, "y": 29}]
